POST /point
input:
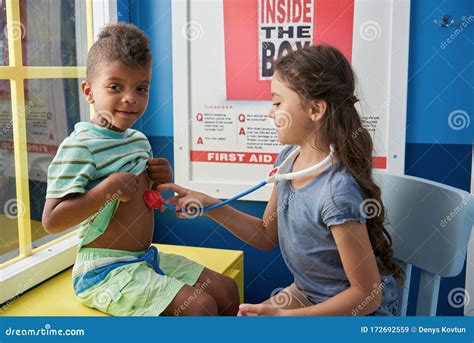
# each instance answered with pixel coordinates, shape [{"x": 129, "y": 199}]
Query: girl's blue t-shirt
[{"x": 305, "y": 216}]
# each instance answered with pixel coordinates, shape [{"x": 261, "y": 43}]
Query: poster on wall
[{"x": 224, "y": 139}]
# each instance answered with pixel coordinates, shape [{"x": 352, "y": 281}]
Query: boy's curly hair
[{"x": 119, "y": 42}]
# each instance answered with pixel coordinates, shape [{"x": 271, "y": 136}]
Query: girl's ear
[
  {"x": 317, "y": 110},
  {"x": 87, "y": 92}
]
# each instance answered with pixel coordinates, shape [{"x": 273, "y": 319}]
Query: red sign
[
  {"x": 258, "y": 31},
  {"x": 233, "y": 157}
]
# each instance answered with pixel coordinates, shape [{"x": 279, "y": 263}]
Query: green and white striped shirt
[{"x": 91, "y": 153}]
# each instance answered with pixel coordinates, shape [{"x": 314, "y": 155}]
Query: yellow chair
[{"x": 55, "y": 296}]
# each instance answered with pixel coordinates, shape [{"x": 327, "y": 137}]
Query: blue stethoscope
[{"x": 154, "y": 200}]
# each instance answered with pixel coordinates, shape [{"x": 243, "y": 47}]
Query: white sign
[{"x": 224, "y": 142}]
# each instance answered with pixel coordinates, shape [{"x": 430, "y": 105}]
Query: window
[{"x": 43, "y": 50}]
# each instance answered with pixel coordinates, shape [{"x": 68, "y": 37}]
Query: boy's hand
[
  {"x": 159, "y": 170},
  {"x": 189, "y": 201},
  {"x": 124, "y": 185}
]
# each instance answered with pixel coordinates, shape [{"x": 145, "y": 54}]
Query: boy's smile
[{"x": 119, "y": 94}]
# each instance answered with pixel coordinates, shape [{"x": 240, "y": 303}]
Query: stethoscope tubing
[{"x": 273, "y": 177}]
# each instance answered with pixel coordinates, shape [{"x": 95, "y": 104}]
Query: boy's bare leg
[
  {"x": 222, "y": 289},
  {"x": 191, "y": 301}
]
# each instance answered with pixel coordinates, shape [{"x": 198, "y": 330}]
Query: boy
[{"x": 97, "y": 179}]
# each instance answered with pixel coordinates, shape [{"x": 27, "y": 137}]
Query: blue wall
[
  {"x": 441, "y": 78},
  {"x": 441, "y": 73},
  {"x": 425, "y": 156}
]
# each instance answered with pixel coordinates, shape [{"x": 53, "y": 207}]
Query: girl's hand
[
  {"x": 190, "y": 202},
  {"x": 260, "y": 310}
]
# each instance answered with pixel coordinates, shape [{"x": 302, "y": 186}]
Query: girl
[{"x": 330, "y": 225}]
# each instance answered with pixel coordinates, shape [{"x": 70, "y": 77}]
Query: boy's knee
[
  {"x": 230, "y": 289},
  {"x": 228, "y": 298},
  {"x": 190, "y": 302},
  {"x": 203, "y": 305}
]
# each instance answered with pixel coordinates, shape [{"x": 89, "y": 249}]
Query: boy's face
[{"x": 119, "y": 94}]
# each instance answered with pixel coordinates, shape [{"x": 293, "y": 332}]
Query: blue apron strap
[
  {"x": 153, "y": 258},
  {"x": 93, "y": 277}
]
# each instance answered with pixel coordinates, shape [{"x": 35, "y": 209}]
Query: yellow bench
[{"x": 55, "y": 296}]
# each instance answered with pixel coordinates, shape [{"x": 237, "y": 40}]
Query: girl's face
[{"x": 293, "y": 122}]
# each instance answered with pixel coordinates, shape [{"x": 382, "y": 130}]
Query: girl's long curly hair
[{"x": 323, "y": 73}]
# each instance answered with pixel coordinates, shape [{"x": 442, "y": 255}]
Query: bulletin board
[{"x": 222, "y": 53}]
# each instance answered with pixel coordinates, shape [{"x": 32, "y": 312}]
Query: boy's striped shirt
[{"x": 91, "y": 153}]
